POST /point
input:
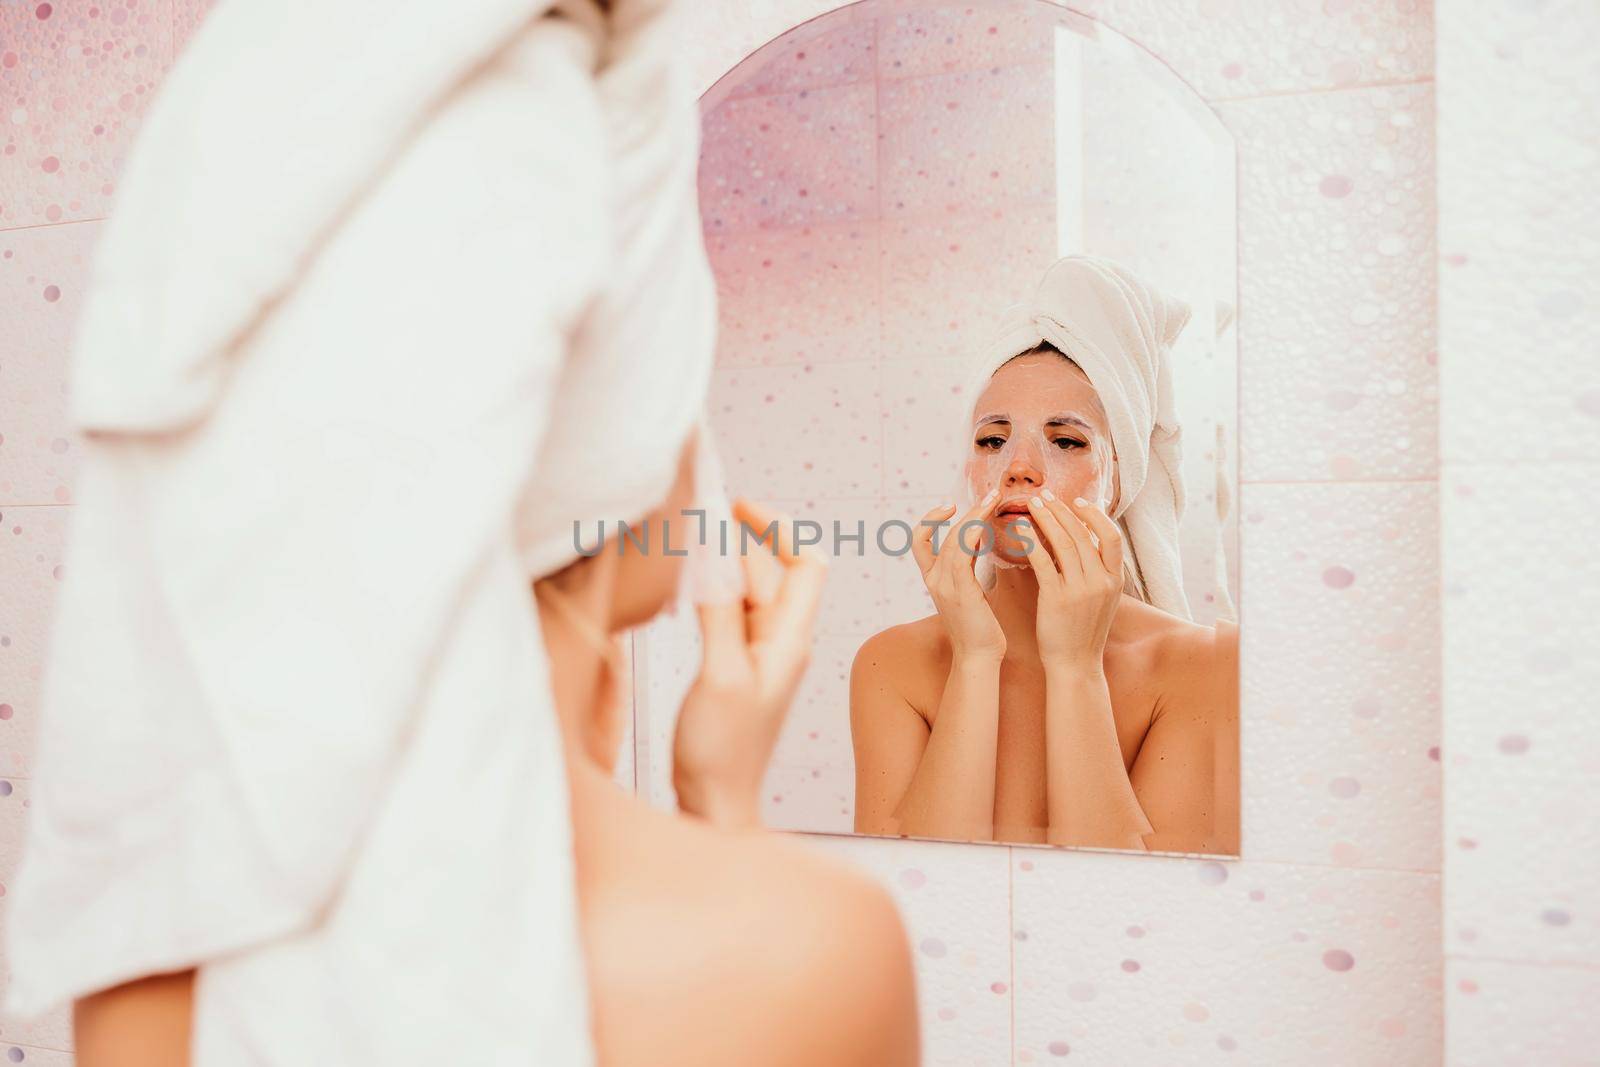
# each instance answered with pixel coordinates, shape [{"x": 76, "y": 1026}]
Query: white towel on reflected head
[
  {"x": 343, "y": 331},
  {"x": 1119, "y": 329}
]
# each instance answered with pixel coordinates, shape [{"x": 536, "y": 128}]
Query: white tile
[
  {"x": 1138, "y": 960},
  {"x": 1521, "y": 625},
  {"x": 1519, "y": 231},
  {"x": 31, "y": 542},
  {"x": 790, "y": 159},
  {"x": 799, "y": 431},
  {"x": 806, "y": 294},
  {"x": 1229, "y": 48},
  {"x": 1337, "y": 371},
  {"x": 43, "y": 276},
  {"x": 1501, "y": 1013},
  {"x": 1339, "y": 720}
]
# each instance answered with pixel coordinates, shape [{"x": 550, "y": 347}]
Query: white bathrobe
[{"x": 393, "y": 294}]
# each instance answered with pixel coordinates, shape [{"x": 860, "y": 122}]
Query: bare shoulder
[
  {"x": 1193, "y": 665},
  {"x": 893, "y": 647},
  {"x": 753, "y": 937},
  {"x": 841, "y": 954},
  {"x": 902, "y": 657}
]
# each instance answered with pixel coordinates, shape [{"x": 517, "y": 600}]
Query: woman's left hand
[{"x": 1079, "y": 584}]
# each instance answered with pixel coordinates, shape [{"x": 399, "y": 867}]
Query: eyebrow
[{"x": 1054, "y": 420}]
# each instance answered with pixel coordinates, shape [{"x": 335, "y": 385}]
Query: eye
[
  {"x": 1069, "y": 444},
  {"x": 992, "y": 443}
]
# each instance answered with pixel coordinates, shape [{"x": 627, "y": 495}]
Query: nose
[{"x": 1022, "y": 472}]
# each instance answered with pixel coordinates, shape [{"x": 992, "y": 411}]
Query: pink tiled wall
[
  {"x": 1519, "y": 245},
  {"x": 1322, "y": 944}
]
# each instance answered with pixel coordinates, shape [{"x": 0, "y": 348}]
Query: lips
[{"x": 1013, "y": 507}]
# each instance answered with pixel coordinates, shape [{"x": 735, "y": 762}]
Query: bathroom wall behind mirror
[{"x": 963, "y": 248}]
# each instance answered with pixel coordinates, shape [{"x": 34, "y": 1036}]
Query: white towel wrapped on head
[
  {"x": 360, "y": 345},
  {"x": 1119, "y": 330}
]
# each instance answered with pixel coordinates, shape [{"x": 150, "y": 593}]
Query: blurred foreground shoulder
[{"x": 848, "y": 963}]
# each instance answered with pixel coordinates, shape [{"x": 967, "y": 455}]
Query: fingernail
[
  {"x": 1047, "y": 494},
  {"x": 1036, "y": 502},
  {"x": 1082, "y": 503},
  {"x": 990, "y": 495}
]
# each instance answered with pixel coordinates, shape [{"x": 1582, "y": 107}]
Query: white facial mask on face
[{"x": 1065, "y": 454}]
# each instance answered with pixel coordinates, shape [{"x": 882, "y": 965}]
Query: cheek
[
  {"x": 980, "y": 475},
  {"x": 1074, "y": 474}
]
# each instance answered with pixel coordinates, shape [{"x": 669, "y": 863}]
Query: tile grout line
[
  {"x": 1011, "y": 944},
  {"x": 1289, "y": 94},
  {"x": 1226, "y": 861},
  {"x": 1508, "y": 961},
  {"x": 53, "y": 225}
]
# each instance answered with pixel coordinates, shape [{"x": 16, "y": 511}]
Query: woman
[
  {"x": 708, "y": 941},
  {"x": 363, "y": 344},
  {"x": 1060, "y": 693}
]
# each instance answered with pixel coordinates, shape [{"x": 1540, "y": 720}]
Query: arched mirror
[{"x": 963, "y": 248}]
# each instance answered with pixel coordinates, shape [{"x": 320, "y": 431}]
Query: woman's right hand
[
  {"x": 755, "y": 653},
  {"x": 952, "y": 582}
]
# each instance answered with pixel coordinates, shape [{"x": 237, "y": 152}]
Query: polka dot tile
[
  {"x": 1338, "y": 377},
  {"x": 1232, "y": 48},
  {"x": 972, "y": 141},
  {"x": 75, "y": 80},
  {"x": 953, "y": 899},
  {"x": 1506, "y": 1012},
  {"x": 942, "y": 39},
  {"x": 1348, "y": 961},
  {"x": 1339, "y": 647},
  {"x": 1519, "y": 233},
  {"x": 43, "y": 275},
  {"x": 790, "y": 159},
  {"x": 1522, "y": 850},
  {"x": 827, "y": 416},
  {"x": 31, "y": 566},
  {"x": 806, "y": 294},
  {"x": 838, "y": 50}
]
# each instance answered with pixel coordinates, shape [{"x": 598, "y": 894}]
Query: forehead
[{"x": 1035, "y": 387}]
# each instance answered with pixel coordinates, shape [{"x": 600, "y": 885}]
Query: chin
[
  {"x": 1007, "y": 547},
  {"x": 642, "y": 595}
]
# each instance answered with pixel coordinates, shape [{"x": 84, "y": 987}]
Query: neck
[
  {"x": 577, "y": 675},
  {"x": 1014, "y": 599}
]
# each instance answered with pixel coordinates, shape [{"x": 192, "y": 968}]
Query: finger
[
  {"x": 963, "y": 534},
  {"x": 1060, "y": 541},
  {"x": 1074, "y": 528},
  {"x": 1106, "y": 530},
  {"x": 799, "y": 595},
  {"x": 922, "y": 537},
  {"x": 757, "y": 552},
  {"x": 722, "y": 637},
  {"x": 1044, "y": 568}
]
